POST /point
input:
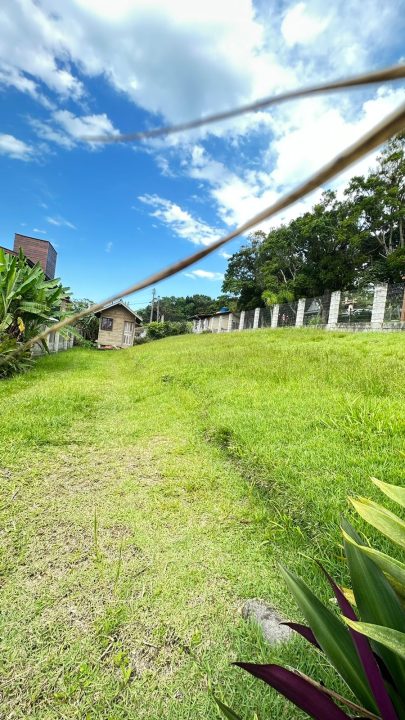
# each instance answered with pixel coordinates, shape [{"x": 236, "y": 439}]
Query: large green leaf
[
  {"x": 382, "y": 519},
  {"x": 392, "y": 639},
  {"x": 395, "y": 492},
  {"x": 392, "y": 568},
  {"x": 376, "y": 602},
  {"x": 226, "y": 711},
  {"x": 333, "y": 637},
  {"x": 33, "y": 308}
]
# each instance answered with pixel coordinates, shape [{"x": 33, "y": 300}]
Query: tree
[
  {"x": 87, "y": 326},
  {"x": 27, "y": 299},
  {"x": 244, "y": 274},
  {"x": 178, "y": 309},
  {"x": 310, "y": 256},
  {"x": 377, "y": 207},
  {"x": 339, "y": 244}
]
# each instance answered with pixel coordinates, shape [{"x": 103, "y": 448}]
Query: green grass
[{"x": 146, "y": 494}]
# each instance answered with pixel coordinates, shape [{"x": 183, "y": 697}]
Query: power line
[
  {"x": 390, "y": 126},
  {"x": 392, "y": 73}
]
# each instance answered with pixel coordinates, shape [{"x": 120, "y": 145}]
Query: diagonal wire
[
  {"x": 392, "y": 73},
  {"x": 390, "y": 126}
]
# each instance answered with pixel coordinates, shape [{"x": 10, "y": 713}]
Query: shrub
[
  {"x": 366, "y": 647},
  {"x": 13, "y": 360},
  {"x": 141, "y": 339},
  {"x": 158, "y": 330}
]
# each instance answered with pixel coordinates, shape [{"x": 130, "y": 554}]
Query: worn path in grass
[{"x": 147, "y": 493}]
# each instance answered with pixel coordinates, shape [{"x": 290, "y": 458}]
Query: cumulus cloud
[
  {"x": 66, "y": 129},
  {"x": 304, "y": 138},
  {"x": 300, "y": 26},
  {"x": 15, "y": 148},
  {"x": 177, "y": 59},
  {"x": 181, "y": 60},
  {"x": 180, "y": 221},
  {"x": 204, "y": 275}
]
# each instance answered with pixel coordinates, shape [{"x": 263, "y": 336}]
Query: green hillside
[{"x": 147, "y": 493}]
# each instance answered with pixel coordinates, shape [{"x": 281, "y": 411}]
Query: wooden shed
[{"x": 118, "y": 326}]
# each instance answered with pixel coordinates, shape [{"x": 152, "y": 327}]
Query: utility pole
[
  {"x": 152, "y": 305},
  {"x": 157, "y": 309}
]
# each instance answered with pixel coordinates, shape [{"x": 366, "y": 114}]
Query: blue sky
[{"x": 117, "y": 212}]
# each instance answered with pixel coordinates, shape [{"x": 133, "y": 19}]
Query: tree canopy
[
  {"x": 177, "y": 309},
  {"x": 342, "y": 243}
]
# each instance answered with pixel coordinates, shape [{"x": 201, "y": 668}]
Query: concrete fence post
[
  {"x": 379, "y": 300},
  {"x": 333, "y": 310},
  {"x": 256, "y": 318},
  {"x": 230, "y": 320},
  {"x": 299, "y": 320},
  {"x": 242, "y": 320},
  {"x": 274, "y": 317}
]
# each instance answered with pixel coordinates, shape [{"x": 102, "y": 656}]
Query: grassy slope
[{"x": 208, "y": 460}]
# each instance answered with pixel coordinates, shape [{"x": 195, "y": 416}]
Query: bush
[
  {"x": 159, "y": 330},
  {"x": 12, "y": 360},
  {"x": 366, "y": 645},
  {"x": 140, "y": 340},
  {"x": 83, "y": 342}
]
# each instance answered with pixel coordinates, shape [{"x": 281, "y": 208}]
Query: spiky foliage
[{"x": 366, "y": 645}]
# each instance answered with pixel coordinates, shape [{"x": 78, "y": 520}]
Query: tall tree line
[
  {"x": 177, "y": 309},
  {"x": 343, "y": 242}
]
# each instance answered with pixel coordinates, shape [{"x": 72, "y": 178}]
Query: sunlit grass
[{"x": 147, "y": 493}]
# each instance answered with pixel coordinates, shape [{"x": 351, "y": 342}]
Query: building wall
[
  {"x": 114, "y": 336},
  {"x": 39, "y": 251}
]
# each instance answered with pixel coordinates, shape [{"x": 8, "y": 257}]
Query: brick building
[{"x": 36, "y": 251}]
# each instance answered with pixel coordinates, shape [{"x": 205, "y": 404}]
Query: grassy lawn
[{"x": 147, "y": 493}]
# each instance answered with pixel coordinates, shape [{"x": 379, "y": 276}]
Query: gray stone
[{"x": 268, "y": 620}]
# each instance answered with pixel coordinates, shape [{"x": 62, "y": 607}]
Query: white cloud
[
  {"x": 183, "y": 59},
  {"x": 15, "y": 148},
  {"x": 47, "y": 131},
  {"x": 300, "y": 26},
  {"x": 224, "y": 255},
  {"x": 310, "y": 134},
  {"x": 60, "y": 222},
  {"x": 109, "y": 247},
  {"x": 32, "y": 44},
  {"x": 180, "y": 221},
  {"x": 80, "y": 128},
  {"x": 306, "y": 136},
  {"x": 204, "y": 275},
  {"x": 206, "y": 56},
  {"x": 66, "y": 129},
  {"x": 39, "y": 231}
]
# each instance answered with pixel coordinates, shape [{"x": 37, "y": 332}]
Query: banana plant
[
  {"x": 27, "y": 299},
  {"x": 366, "y": 643}
]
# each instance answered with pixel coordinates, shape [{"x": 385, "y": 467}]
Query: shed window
[{"x": 106, "y": 323}]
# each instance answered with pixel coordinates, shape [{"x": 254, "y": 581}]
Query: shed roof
[{"x": 115, "y": 304}]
